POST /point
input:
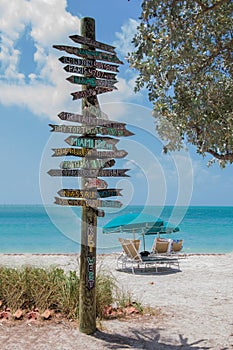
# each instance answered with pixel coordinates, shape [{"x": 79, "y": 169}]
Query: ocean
[{"x": 54, "y": 229}]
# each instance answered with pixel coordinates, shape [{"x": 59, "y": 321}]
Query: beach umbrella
[{"x": 144, "y": 224}]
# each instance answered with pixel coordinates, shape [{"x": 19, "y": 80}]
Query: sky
[{"x": 34, "y": 90}]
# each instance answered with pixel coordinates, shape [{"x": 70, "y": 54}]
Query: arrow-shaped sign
[
  {"x": 77, "y": 152},
  {"x": 90, "y": 92},
  {"x": 74, "y": 79},
  {"x": 93, "y": 153},
  {"x": 90, "y": 72},
  {"x": 90, "y": 194},
  {"x": 89, "y": 153},
  {"x": 95, "y": 55},
  {"x": 90, "y": 130},
  {"x": 90, "y": 120},
  {"x": 88, "y": 164},
  {"x": 88, "y": 203},
  {"x": 89, "y": 172},
  {"x": 92, "y": 142},
  {"x": 97, "y": 44},
  {"x": 88, "y": 63}
]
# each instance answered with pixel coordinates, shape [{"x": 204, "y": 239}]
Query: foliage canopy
[{"x": 183, "y": 52}]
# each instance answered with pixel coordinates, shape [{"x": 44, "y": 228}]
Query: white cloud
[
  {"x": 44, "y": 90},
  {"x": 125, "y": 37}
]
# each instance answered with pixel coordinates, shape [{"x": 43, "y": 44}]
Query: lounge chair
[
  {"x": 177, "y": 246},
  {"x": 131, "y": 257},
  {"x": 160, "y": 246}
]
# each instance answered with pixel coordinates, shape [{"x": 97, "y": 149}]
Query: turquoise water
[{"x": 29, "y": 229}]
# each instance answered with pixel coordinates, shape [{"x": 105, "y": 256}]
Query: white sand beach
[{"x": 196, "y": 308}]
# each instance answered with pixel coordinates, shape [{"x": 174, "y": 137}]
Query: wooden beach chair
[
  {"x": 160, "y": 246},
  {"x": 131, "y": 257}
]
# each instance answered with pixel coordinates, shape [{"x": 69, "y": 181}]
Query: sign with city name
[
  {"x": 89, "y": 63},
  {"x": 89, "y": 172},
  {"x": 92, "y": 142},
  {"x": 95, "y": 55},
  {"x": 88, "y": 164},
  {"x": 97, "y": 44},
  {"x": 74, "y": 79},
  {"x": 94, "y": 203},
  {"x": 90, "y": 92},
  {"x": 89, "y": 153},
  {"x": 76, "y": 152},
  {"x": 90, "y": 194},
  {"x": 90, "y": 130},
  {"x": 90, "y": 119},
  {"x": 90, "y": 72}
]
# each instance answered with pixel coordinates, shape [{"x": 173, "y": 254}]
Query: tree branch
[{"x": 226, "y": 156}]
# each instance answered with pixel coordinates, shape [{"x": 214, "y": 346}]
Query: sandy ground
[{"x": 195, "y": 303}]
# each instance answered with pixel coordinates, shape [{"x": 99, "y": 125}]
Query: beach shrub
[{"x": 31, "y": 288}]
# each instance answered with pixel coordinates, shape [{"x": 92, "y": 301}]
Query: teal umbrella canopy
[{"x": 148, "y": 224}]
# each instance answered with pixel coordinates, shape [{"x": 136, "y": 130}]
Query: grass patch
[{"x": 52, "y": 289}]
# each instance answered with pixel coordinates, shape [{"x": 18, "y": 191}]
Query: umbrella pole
[{"x": 143, "y": 237}]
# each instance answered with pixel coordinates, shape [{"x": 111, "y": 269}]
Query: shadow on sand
[{"x": 148, "y": 339}]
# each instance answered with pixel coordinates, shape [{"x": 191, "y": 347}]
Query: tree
[{"x": 183, "y": 52}]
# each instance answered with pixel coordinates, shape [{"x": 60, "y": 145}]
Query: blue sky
[{"x": 34, "y": 90}]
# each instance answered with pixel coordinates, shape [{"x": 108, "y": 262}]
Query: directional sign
[
  {"x": 89, "y": 172},
  {"x": 104, "y": 204},
  {"x": 90, "y": 194},
  {"x": 90, "y": 72},
  {"x": 95, "y": 183},
  {"x": 97, "y": 44},
  {"x": 88, "y": 203},
  {"x": 90, "y": 92},
  {"x": 95, "y": 55},
  {"x": 89, "y": 153},
  {"x": 77, "y": 152},
  {"x": 90, "y": 130},
  {"x": 90, "y": 120},
  {"x": 93, "y": 153},
  {"x": 74, "y": 79},
  {"x": 89, "y": 63},
  {"x": 88, "y": 164},
  {"x": 92, "y": 142}
]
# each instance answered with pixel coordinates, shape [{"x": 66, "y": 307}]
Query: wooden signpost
[
  {"x": 94, "y": 203},
  {"x": 90, "y": 193},
  {"x": 92, "y": 142},
  {"x": 74, "y": 79},
  {"x": 89, "y": 172},
  {"x": 90, "y": 92},
  {"x": 88, "y": 164},
  {"x": 90, "y": 130},
  {"x": 97, "y": 44},
  {"x": 90, "y": 72},
  {"x": 97, "y": 153},
  {"x": 88, "y": 63},
  {"x": 90, "y": 119},
  {"x": 96, "y": 55}
]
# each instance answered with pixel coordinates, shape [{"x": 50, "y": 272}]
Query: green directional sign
[
  {"x": 95, "y": 55},
  {"x": 92, "y": 142},
  {"x": 74, "y": 79}
]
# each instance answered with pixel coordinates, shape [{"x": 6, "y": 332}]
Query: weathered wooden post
[
  {"x": 87, "y": 291},
  {"x": 96, "y": 152}
]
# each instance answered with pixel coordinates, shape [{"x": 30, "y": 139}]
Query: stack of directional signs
[{"x": 97, "y": 152}]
